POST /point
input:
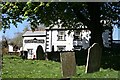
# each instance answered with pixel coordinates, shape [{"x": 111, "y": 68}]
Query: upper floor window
[
  {"x": 77, "y": 35},
  {"x": 61, "y": 35}
]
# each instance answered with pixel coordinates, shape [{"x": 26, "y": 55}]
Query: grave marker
[
  {"x": 68, "y": 63},
  {"x": 93, "y": 58}
]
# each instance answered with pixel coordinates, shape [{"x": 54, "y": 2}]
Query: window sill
[{"x": 61, "y": 40}]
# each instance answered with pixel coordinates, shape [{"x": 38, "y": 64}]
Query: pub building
[{"x": 54, "y": 40}]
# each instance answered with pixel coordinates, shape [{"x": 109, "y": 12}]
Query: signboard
[{"x": 34, "y": 41}]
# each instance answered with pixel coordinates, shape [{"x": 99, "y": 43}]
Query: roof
[
  {"x": 34, "y": 33},
  {"x": 56, "y": 27}
]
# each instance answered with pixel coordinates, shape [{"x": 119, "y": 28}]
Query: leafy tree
[
  {"x": 18, "y": 40},
  {"x": 4, "y": 45},
  {"x": 4, "y": 42},
  {"x": 70, "y": 14}
]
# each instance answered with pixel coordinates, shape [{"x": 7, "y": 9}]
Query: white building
[
  {"x": 118, "y": 33},
  {"x": 31, "y": 40},
  {"x": 55, "y": 39},
  {"x": 10, "y": 48}
]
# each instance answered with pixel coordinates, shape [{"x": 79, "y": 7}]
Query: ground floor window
[
  {"x": 30, "y": 51},
  {"x": 61, "y": 48}
]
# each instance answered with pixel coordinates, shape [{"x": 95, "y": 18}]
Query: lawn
[{"x": 15, "y": 67}]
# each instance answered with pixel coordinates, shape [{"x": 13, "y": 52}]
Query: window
[
  {"x": 77, "y": 47},
  {"x": 87, "y": 35},
  {"x": 61, "y": 48},
  {"x": 34, "y": 41},
  {"x": 30, "y": 51},
  {"x": 61, "y": 35},
  {"x": 77, "y": 35}
]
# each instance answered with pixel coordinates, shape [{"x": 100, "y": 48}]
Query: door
[{"x": 40, "y": 55}]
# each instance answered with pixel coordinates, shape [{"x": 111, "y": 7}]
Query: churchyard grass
[
  {"x": 19, "y": 68},
  {"x": 15, "y": 67}
]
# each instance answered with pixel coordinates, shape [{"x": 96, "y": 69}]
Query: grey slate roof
[{"x": 35, "y": 33}]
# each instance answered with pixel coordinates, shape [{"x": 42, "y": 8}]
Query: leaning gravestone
[
  {"x": 68, "y": 63},
  {"x": 93, "y": 58}
]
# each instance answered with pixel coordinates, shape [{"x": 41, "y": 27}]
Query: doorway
[{"x": 40, "y": 55}]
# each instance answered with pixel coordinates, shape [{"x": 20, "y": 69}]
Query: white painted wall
[
  {"x": 10, "y": 48},
  {"x": 33, "y": 46},
  {"x": 86, "y": 38},
  {"x": 68, "y": 43},
  {"x": 105, "y": 36},
  {"x": 118, "y": 33},
  {"x": 53, "y": 40}
]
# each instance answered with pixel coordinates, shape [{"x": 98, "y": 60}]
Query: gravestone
[
  {"x": 68, "y": 64},
  {"x": 93, "y": 58}
]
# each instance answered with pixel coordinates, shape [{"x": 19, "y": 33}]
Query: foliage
[
  {"x": 15, "y": 67},
  {"x": 109, "y": 58},
  {"x": 69, "y": 15},
  {"x": 49, "y": 13},
  {"x": 4, "y": 42},
  {"x": 18, "y": 40}
]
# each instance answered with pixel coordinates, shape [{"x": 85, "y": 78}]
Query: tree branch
[{"x": 81, "y": 17}]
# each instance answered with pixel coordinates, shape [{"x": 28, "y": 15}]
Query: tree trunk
[
  {"x": 95, "y": 26},
  {"x": 96, "y": 37}
]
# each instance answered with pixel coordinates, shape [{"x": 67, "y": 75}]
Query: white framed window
[
  {"x": 61, "y": 48},
  {"x": 77, "y": 35},
  {"x": 61, "y": 36},
  {"x": 30, "y": 51}
]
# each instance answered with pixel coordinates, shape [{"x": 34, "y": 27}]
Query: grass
[
  {"x": 15, "y": 67},
  {"x": 18, "y": 68}
]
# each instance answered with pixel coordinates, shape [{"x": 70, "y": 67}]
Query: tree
[
  {"x": 70, "y": 14},
  {"x": 4, "y": 42},
  {"x": 4, "y": 45},
  {"x": 18, "y": 39}
]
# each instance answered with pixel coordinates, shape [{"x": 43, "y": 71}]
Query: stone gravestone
[
  {"x": 68, "y": 64},
  {"x": 93, "y": 58}
]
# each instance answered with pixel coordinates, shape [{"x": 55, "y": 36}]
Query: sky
[
  {"x": 115, "y": 33},
  {"x": 11, "y": 33}
]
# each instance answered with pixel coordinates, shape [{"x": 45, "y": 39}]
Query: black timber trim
[
  {"x": 116, "y": 40},
  {"x": 47, "y": 38},
  {"x": 77, "y": 46},
  {"x": 68, "y": 29},
  {"x": 61, "y": 51},
  {"x": 47, "y": 41},
  {"x": 47, "y": 48},
  {"x": 35, "y": 36},
  {"x": 61, "y": 40},
  {"x": 47, "y": 44},
  {"x": 47, "y": 34},
  {"x": 51, "y": 41}
]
